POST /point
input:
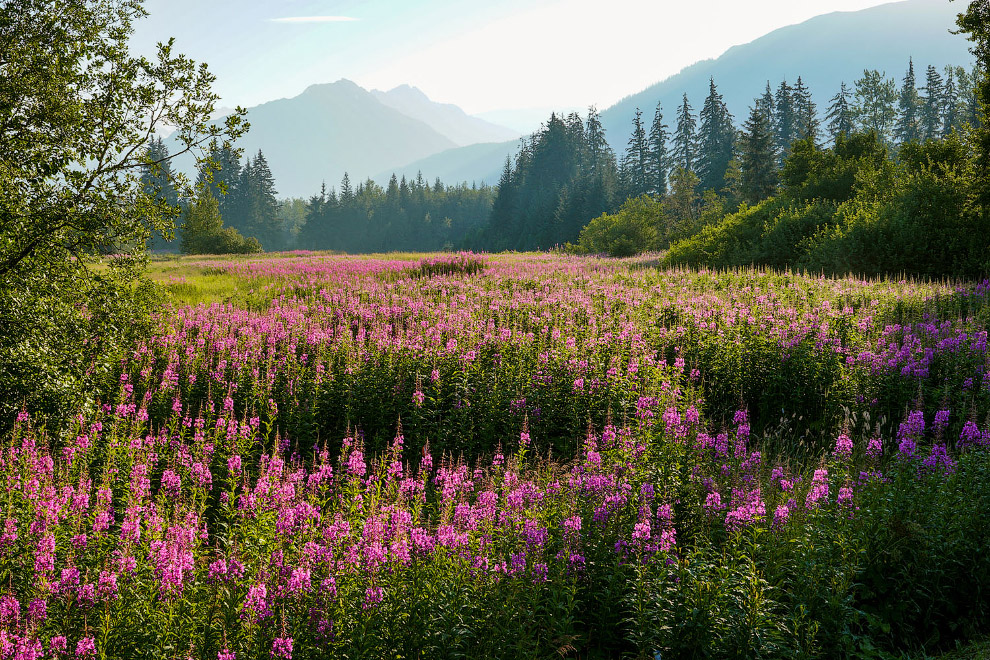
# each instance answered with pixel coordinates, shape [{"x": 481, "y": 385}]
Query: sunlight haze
[{"x": 502, "y": 55}]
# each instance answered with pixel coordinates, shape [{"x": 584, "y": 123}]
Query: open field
[{"x": 514, "y": 456}]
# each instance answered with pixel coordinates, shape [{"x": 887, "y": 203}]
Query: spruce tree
[
  {"x": 600, "y": 173},
  {"x": 784, "y": 126},
  {"x": 759, "y": 156},
  {"x": 600, "y": 154},
  {"x": 806, "y": 124},
  {"x": 685, "y": 149},
  {"x": 932, "y": 105},
  {"x": 908, "y": 127},
  {"x": 261, "y": 201},
  {"x": 658, "y": 158},
  {"x": 635, "y": 158},
  {"x": 346, "y": 192},
  {"x": 767, "y": 105},
  {"x": 840, "y": 114},
  {"x": 157, "y": 182},
  {"x": 221, "y": 170},
  {"x": 716, "y": 140},
  {"x": 950, "y": 102},
  {"x": 315, "y": 234}
]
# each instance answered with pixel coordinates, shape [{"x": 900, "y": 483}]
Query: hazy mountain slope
[
  {"x": 330, "y": 129},
  {"x": 824, "y": 51},
  {"x": 477, "y": 163},
  {"x": 445, "y": 118}
]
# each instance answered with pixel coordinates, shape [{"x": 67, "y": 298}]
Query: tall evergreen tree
[
  {"x": 158, "y": 182},
  {"x": 767, "y": 105},
  {"x": 908, "y": 127},
  {"x": 785, "y": 125},
  {"x": 685, "y": 141},
  {"x": 346, "y": 192},
  {"x": 635, "y": 159},
  {"x": 261, "y": 203},
  {"x": 315, "y": 232},
  {"x": 874, "y": 108},
  {"x": 759, "y": 156},
  {"x": 599, "y": 175},
  {"x": 840, "y": 114},
  {"x": 716, "y": 140},
  {"x": 806, "y": 123},
  {"x": 932, "y": 105},
  {"x": 221, "y": 170},
  {"x": 658, "y": 160},
  {"x": 950, "y": 102}
]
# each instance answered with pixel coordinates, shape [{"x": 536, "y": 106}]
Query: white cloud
[{"x": 313, "y": 19}]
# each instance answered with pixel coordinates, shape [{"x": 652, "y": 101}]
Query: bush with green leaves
[
  {"x": 636, "y": 227},
  {"x": 849, "y": 209}
]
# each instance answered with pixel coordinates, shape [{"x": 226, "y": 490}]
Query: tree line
[
  {"x": 565, "y": 175},
  {"x": 895, "y": 188},
  {"x": 235, "y": 209},
  {"x": 704, "y": 165}
]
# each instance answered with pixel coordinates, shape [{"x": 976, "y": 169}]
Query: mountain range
[
  {"x": 340, "y": 127},
  {"x": 336, "y": 127}
]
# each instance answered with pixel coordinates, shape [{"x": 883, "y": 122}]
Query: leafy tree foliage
[
  {"x": 77, "y": 113},
  {"x": 975, "y": 24},
  {"x": 853, "y": 209},
  {"x": 203, "y": 231},
  {"x": 634, "y": 228},
  {"x": 874, "y": 108}
]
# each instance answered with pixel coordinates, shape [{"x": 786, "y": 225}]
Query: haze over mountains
[
  {"x": 445, "y": 118},
  {"x": 824, "y": 51},
  {"x": 336, "y": 127}
]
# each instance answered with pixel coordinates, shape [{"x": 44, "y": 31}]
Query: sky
[{"x": 482, "y": 55}]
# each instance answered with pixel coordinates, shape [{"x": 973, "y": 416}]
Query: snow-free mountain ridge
[{"x": 824, "y": 51}]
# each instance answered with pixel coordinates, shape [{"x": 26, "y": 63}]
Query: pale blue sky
[{"x": 481, "y": 56}]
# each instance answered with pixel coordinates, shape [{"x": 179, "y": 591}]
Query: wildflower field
[{"x": 514, "y": 456}]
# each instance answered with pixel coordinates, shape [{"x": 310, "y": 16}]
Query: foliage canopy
[{"x": 78, "y": 113}]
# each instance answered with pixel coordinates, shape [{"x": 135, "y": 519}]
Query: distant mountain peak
[
  {"x": 406, "y": 91},
  {"x": 445, "y": 118}
]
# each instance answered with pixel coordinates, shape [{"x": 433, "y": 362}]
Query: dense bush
[
  {"x": 634, "y": 228},
  {"x": 849, "y": 209}
]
